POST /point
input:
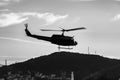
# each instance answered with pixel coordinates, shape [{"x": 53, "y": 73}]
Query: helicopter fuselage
[{"x": 63, "y": 40}]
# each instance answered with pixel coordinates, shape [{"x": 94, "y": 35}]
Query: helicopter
[{"x": 58, "y": 39}]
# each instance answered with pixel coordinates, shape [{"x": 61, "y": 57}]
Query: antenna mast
[
  {"x": 6, "y": 62},
  {"x": 72, "y": 76},
  {"x": 88, "y": 50}
]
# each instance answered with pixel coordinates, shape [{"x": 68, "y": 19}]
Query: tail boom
[{"x": 36, "y": 36}]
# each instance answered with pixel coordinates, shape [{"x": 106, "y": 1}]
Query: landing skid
[{"x": 64, "y": 48}]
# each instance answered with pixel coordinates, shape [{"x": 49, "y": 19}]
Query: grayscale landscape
[{"x": 59, "y": 39}]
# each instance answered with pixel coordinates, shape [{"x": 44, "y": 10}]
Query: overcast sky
[{"x": 100, "y": 17}]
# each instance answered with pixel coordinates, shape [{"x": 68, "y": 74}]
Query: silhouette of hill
[
  {"x": 83, "y": 65},
  {"x": 111, "y": 73}
]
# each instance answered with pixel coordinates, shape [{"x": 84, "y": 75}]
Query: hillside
[{"x": 81, "y": 64}]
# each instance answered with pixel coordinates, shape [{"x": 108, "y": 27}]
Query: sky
[{"x": 100, "y": 17}]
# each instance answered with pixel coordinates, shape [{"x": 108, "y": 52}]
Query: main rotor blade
[
  {"x": 49, "y": 30},
  {"x": 75, "y": 29},
  {"x": 64, "y": 29}
]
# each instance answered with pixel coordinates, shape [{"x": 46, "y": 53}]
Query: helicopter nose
[{"x": 75, "y": 43}]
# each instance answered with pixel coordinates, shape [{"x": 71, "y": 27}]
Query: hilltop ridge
[{"x": 81, "y": 64}]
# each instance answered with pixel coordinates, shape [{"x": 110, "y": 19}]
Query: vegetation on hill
[{"x": 84, "y": 66}]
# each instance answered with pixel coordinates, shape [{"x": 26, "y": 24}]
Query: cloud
[
  {"x": 3, "y": 3},
  {"x": 21, "y": 40},
  {"x": 91, "y": 0},
  {"x": 117, "y": 0},
  {"x": 80, "y": 0},
  {"x": 4, "y": 10},
  {"x": 11, "y": 18},
  {"x": 11, "y": 0},
  {"x": 6, "y": 2},
  {"x": 27, "y": 41},
  {"x": 51, "y": 18},
  {"x": 7, "y": 19},
  {"x": 116, "y": 18}
]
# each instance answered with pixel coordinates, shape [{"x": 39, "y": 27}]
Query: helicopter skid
[{"x": 64, "y": 48}]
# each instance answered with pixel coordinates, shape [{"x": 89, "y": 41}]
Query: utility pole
[
  {"x": 6, "y": 62},
  {"x": 88, "y": 50},
  {"x": 72, "y": 76},
  {"x": 95, "y": 52}
]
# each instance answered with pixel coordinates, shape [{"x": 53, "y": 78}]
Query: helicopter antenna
[{"x": 26, "y": 25}]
